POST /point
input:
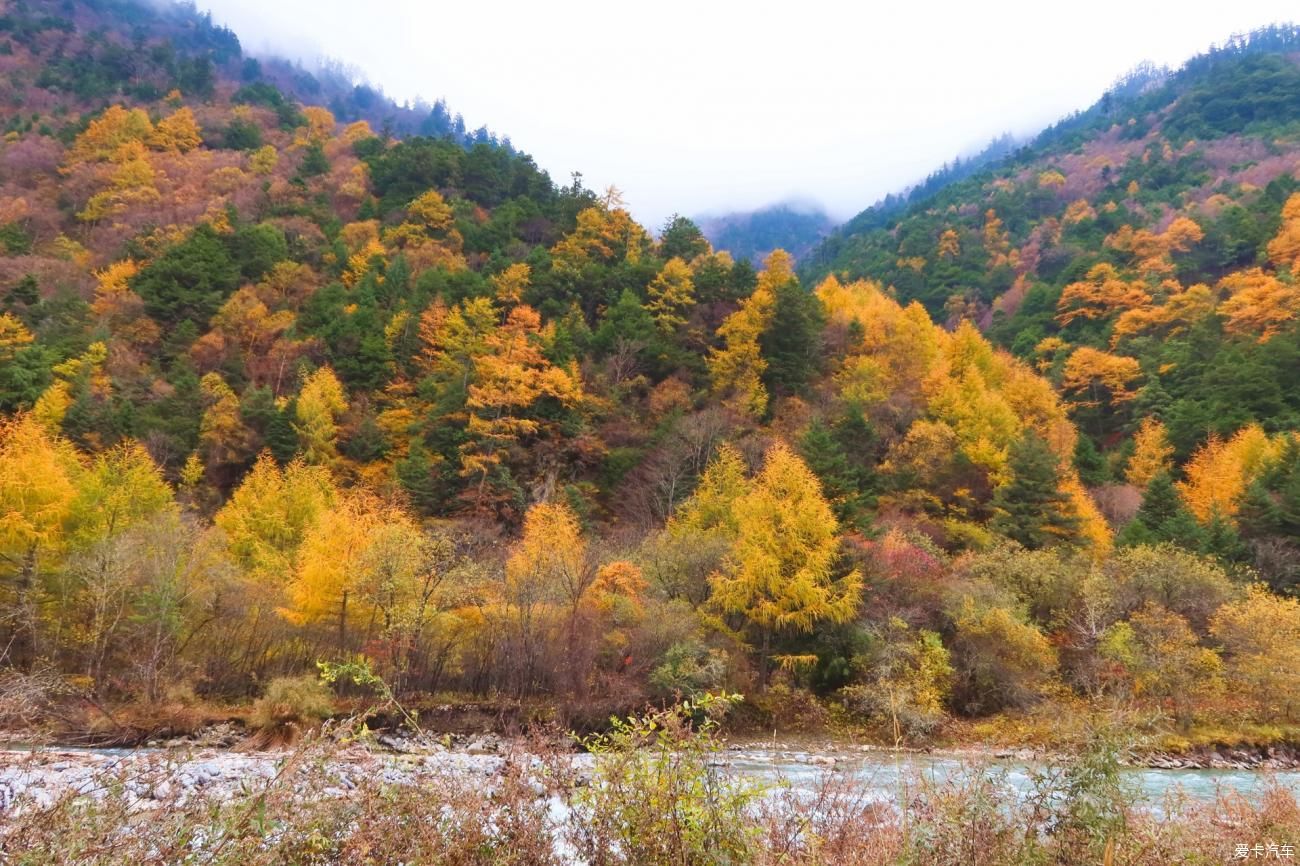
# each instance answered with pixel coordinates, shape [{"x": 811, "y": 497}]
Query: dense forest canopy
[{"x": 283, "y": 380}]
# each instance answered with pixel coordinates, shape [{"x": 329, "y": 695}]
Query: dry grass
[
  {"x": 289, "y": 707},
  {"x": 1075, "y": 815}
]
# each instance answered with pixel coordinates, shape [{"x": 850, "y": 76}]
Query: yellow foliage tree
[
  {"x": 671, "y": 295},
  {"x": 84, "y": 371},
  {"x": 737, "y": 368},
  {"x": 178, "y": 131},
  {"x": 1261, "y": 639},
  {"x": 1078, "y": 211},
  {"x": 1051, "y": 179},
  {"x": 131, "y": 181},
  {"x": 780, "y": 574},
  {"x": 263, "y": 161},
  {"x": 550, "y": 571},
  {"x": 996, "y": 240},
  {"x": 510, "y": 376},
  {"x": 319, "y": 127},
  {"x": 1258, "y": 305},
  {"x": 13, "y": 336},
  {"x": 1181, "y": 310},
  {"x": 39, "y": 478},
  {"x": 104, "y": 138},
  {"x": 224, "y": 439},
  {"x": 510, "y": 285},
  {"x": 710, "y": 508},
  {"x": 1101, "y": 295},
  {"x": 431, "y": 212},
  {"x": 1220, "y": 472},
  {"x": 1284, "y": 250},
  {"x": 949, "y": 245},
  {"x": 320, "y": 403},
  {"x": 1093, "y": 377},
  {"x": 359, "y": 567},
  {"x": 603, "y": 235},
  {"x": 550, "y": 561},
  {"x": 450, "y": 339},
  {"x": 1151, "y": 453},
  {"x": 121, "y": 489},
  {"x": 269, "y": 514},
  {"x": 984, "y": 422}
]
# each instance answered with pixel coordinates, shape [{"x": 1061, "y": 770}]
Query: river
[
  {"x": 887, "y": 773},
  {"x": 43, "y": 774}
]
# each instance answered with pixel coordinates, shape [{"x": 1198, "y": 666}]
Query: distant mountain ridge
[
  {"x": 1246, "y": 87},
  {"x": 752, "y": 235},
  {"x": 98, "y": 51}
]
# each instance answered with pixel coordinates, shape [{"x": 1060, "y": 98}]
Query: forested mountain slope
[
  {"x": 1140, "y": 254},
  {"x": 279, "y": 387},
  {"x": 753, "y": 235}
]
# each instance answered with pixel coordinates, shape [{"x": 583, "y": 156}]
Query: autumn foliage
[{"x": 279, "y": 388}]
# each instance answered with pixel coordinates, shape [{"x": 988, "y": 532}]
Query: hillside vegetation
[{"x": 280, "y": 387}]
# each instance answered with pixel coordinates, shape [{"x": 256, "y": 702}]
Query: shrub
[
  {"x": 689, "y": 668},
  {"x": 1002, "y": 661},
  {"x": 658, "y": 798},
  {"x": 907, "y": 677},
  {"x": 289, "y": 705}
]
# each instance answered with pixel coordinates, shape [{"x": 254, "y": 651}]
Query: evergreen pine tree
[
  {"x": 1182, "y": 530},
  {"x": 1287, "y": 515},
  {"x": 415, "y": 474},
  {"x": 1088, "y": 461},
  {"x": 314, "y": 162},
  {"x": 839, "y": 455},
  {"x": 625, "y": 320},
  {"x": 791, "y": 342},
  {"x": 24, "y": 295},
  {"x": 1221, "y": 540},
  {"x": 1163, "y": 518},
  {"x": 1031, "y": 508},
  {"x": 280, "y": 436},
  {"x": 368, "y": 443},
  {"x": 1160, "y": 502}
]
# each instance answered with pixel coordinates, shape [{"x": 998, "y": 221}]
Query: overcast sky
[{"x": 694, "y": 106}]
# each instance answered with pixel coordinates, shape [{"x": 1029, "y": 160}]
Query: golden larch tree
[
  {"x": 39, "y": 478},
  {"x": 671, "y": 295},
  {"x": 1220, "y": 471},
  {"x": 1284, "y": 250},
  {"x": 1258, "y": 305},
  {"x": 1151, "y": 453},
  {"x": 269, "y": 514},
  {"x": 177, "y": 132},
  {"x": 1094, "y": 378},
  {"x": 320, "y": 403},
  {"x": 510, "y": 376},
  {"x": 737, "y": 368},
  {"x": 780, "y": 574}
]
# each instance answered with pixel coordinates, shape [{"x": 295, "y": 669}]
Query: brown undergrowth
[{"x": 654, "y": 796}]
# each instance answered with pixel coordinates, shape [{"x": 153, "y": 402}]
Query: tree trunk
[{"x": 343, "y": 623}]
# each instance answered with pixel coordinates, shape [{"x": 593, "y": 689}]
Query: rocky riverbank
[
  {"x": 217, "y": 763},
  {"x": 150, "y": 777}
]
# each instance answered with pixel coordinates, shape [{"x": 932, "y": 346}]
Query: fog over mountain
[{"x": 694, "y": 108}]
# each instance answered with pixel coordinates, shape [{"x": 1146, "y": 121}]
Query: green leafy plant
[{"x": 657, "y": 796}]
